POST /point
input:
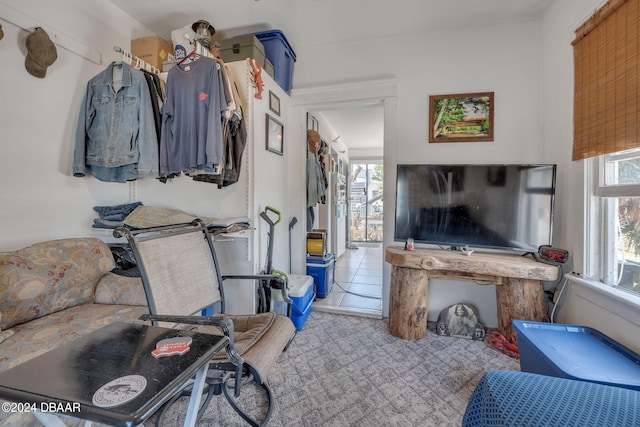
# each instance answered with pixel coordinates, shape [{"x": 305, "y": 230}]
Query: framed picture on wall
[
  {"x": 274, "y": 103},
  {"x": 465, "y": 117},
  {"x": 275, "y": 135},
  {"x": 312, "y": 122}
]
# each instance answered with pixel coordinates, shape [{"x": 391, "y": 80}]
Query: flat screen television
[{"x": 483, "y": 206}]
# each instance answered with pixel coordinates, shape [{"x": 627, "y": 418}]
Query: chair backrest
[{"x": 178, "y": 267}]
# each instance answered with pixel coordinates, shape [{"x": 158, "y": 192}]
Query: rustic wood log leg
[
  {"x": 520, "y": 299},
  {"x": 408, "y": 303}
]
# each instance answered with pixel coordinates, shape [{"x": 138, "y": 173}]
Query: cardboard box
[{"x": 152, "y": 50}]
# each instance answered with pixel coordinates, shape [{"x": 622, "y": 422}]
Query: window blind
[{"x": 606, "y": 115}]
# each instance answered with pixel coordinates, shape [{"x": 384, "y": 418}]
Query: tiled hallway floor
[{"x": 358, "y": 283}]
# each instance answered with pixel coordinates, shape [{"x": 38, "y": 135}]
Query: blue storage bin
[
  {"x": 576, "y": 352},
  {"x": 322, "y": 271},
  {"x": 301, "y": 293},
  {"x": 278, "y": 50}
]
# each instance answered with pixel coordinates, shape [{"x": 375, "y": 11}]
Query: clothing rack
[
  {"x": 139, "y": 63},
  {"x": 198, "y": 48}
]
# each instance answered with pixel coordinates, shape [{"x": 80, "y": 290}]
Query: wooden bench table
[{"x": 519, "y": 290}]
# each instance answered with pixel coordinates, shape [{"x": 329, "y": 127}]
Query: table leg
[
  {"x": 408, "y": 303},
  {"x": 49, "y": 420},
  {"x": 196, "y": 397},
  {"x": 52, "y": 420},
  {"x": 519, "y": 299}
]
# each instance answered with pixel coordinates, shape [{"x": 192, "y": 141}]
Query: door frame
[{"x": 342, "y": 96}]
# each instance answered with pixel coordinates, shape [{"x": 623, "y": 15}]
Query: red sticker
[{"x": 172, "y": 346}]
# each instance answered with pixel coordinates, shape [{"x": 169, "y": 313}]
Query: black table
[{"x": 110, "y": 376}]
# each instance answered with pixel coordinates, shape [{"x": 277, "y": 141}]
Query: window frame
[{"x": 601, "y": 220}]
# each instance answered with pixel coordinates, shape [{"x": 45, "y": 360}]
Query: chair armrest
[{"x": 222, "y": 322}]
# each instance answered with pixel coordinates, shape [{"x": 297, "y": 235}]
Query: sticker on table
[
  {"x": 172, "y": 347},
  {"x": 119, "y": 391}
]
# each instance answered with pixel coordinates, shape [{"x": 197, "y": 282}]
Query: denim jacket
[{"x": 116, "y": 137}]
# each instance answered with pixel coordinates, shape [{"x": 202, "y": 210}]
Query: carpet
[{"x": 349, "y": 371}]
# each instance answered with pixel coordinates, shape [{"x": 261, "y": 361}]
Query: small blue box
[
  {"x": 278, "y": 50},
  {"x": 576, "y": 352},
  {"x": 301, "y": 293},
  {"x": 322, "y": 271}
]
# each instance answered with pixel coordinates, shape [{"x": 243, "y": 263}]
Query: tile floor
[{"x": 358, "y": 283}]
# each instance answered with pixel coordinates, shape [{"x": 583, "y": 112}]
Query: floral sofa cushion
[
  {"x": 50, "y": 276},
  {"x": 116, "y": 289}
]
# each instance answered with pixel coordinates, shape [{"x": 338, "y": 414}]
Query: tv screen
[{"x": 493, "y": 206}]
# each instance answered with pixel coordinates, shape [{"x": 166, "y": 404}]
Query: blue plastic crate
[
  {"x": 576, "y": 352},
  {"x": 322, "y": 270},
  {"x": 301, "y": 293},
  {"x": 278, "y": 50}
]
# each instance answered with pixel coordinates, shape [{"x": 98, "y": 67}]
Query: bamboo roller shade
[{"x": 606, "y": 62}]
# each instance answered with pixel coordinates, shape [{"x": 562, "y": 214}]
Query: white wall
[
  {"x": 41, "y": 200},
  {"x": 611, "y": 311},
  {"x": 558, "y": 26},
  {"x": 504, "y": 59}
]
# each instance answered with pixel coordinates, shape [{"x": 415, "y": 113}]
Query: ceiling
[
  {"x": 361, "y": 129},
  {"x": 312, "y": 22}
]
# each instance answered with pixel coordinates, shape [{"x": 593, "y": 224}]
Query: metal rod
[{"x": 142, "y": 63}]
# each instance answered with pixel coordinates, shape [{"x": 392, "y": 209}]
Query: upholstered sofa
[{"x": 56, "y": 291}]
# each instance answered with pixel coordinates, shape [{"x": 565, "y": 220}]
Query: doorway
[
  {"x": 366, "y": 201},
  {"x": 353, "y": 214},
  {"x": 382, "y": 93}
]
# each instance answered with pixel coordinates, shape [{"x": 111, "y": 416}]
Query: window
[
  {"x": 366, "y": 202},
  {"x": 615, "y": 217},
  {"x": 605, "y": 127}
]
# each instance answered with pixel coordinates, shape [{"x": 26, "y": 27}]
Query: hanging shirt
[
  {"x": 315, "y": 185},
  {"x": 116, "y": 138},
  {"x": 191, "y": 136}
]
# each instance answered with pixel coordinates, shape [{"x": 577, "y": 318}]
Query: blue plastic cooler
[
  {"x": 302, "y": 295},
  {"x": 322, "y": 271},
  {"x": 576, "y": 352}
]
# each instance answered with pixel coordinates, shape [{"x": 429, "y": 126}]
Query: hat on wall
[
  {"x": 1, "y": 32},
  {"x": 313, "y": 141},
  {"x": 41, "y": 53}
]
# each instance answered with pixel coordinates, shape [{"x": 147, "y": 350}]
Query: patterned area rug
[{"x": 349, "y": 371}]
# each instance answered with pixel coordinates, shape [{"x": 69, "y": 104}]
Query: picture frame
[
  {"x": 312, "y": 123},
  {"x": 274, "y": 135},
  {"x": 274, "y": 103},
  {"x": 464, "y": 117}
]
